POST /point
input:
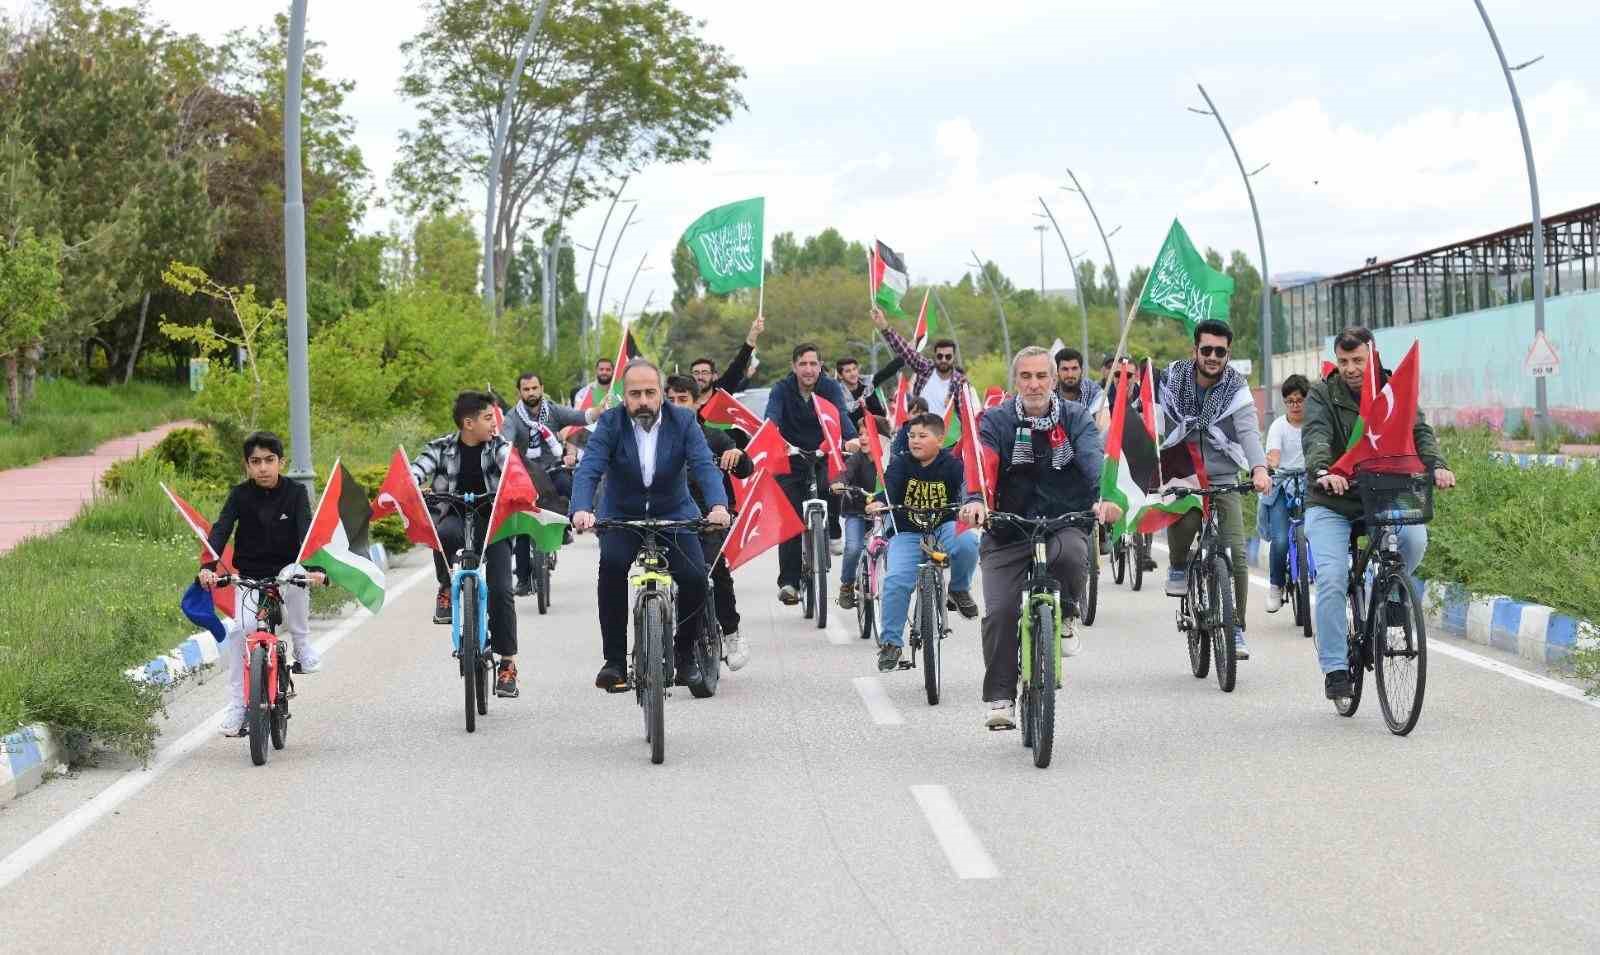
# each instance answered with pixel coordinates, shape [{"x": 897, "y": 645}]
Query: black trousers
[
  {"x": 721, "y": 582},
  {"x": 796, "y": 486},
  {"x": 555, "y": 490},
  {"x": 496, "y": 570},
  {"x": 686, "y": 563}
]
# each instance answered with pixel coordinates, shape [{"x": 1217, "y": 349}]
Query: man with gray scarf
[{"x": 1209, "y": 409}]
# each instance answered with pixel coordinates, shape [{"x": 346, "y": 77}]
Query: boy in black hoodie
[
  {"x": 267, "y": 515},
  {"x": 927, "y": 479},
  {"x": 853, "y": 489}
]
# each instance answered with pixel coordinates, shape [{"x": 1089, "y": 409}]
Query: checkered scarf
[{"x": 1062, "y": 453}]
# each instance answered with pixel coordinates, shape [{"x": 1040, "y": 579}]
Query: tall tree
[
  {"x": 610, "y": 86},
  {"x": 1087, "y": 282},
  {"x": 446, "y": 252},
  {"x": 686, "y": 282}
]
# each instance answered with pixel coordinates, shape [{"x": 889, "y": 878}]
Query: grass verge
[{"x": 67, "y": 417}]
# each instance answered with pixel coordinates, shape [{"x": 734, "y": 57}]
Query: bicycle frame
[
  {"x": 1042, "y": 589},
  {"x": 269, "y": 616}
]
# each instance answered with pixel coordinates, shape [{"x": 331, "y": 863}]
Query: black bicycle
[
  {"x": 544, "y": 564},
  {"x": 931, "y": 605},
  {"x": 1129, "y": 552},
  {"x": 1206, "y": 614},
  {"x": 1387, "y": 632},
  {"x": 815, "y": 558},
  {"x": 655, "y": 617},
  {"x": 1047, "y": 619},
  {"x": 469, "y": 603},
  {"x": 1091, "y": 587}
]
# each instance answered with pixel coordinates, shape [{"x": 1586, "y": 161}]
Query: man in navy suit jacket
[{"x": 647, "y": 451}]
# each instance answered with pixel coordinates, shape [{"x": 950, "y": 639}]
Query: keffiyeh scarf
[
  {"x": 527, "y": 419},
  {"x": 1088, "y": 393},
  {"x": 1187, "y": 416},
  {"x": 1061, "y": 452}
]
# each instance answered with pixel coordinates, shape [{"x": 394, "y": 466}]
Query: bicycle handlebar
[
  {"x": 449, "y": 497},
  {"x": 1215, "y": 490},
  {"x": 262, "y": 583},
  {"x": 1045, "y": 525},
  {"x": 651, "y": 524}
]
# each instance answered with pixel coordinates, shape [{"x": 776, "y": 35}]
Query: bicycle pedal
[
  {"x": 906, "y": 665},
  {"x": 1001, "y": 729},
  {"x": 619, "y": 688}
]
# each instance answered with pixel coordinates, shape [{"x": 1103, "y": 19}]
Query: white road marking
[
  {"x": 1481, "y": 662},
  {"x": 43, "y": 845},
  {"x": 961, "y": 846},
  {"x": 879, "y": 706}
]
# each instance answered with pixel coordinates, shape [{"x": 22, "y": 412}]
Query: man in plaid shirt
[{"x": 938, "y": 380}]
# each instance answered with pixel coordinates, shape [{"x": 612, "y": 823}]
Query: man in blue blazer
[{"x": 647, "y": 451}]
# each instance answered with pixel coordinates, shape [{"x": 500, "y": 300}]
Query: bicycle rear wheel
[
  {"x": 1355, "y": 622},
  {"x": 1195, "y": 610},
  {"x": 1302, "y": 583},
  {"x": 1091, "y": 590},
  {"x": 541, "y": 579},
  {"x": 866, "y": 609},
  {"x": 708, "y": 651},
  {"x": 654, "y": 640},
  {"x": 471, "y": 675},
  {"x": 808, "y": 594},
  {"x": 819, "y": 566},
  {"x": 1119, "y": 560},
  {"x": 1043, "y": 688},
  {"x": 280, "y": 705},
  {"x": 1222, "y": 647},
  {"x": 1137, "y": 560},
  {"x": 1399, "y": 654},
  {"x": 259, "y": 713},
  {"x": 928, "y": 597}
]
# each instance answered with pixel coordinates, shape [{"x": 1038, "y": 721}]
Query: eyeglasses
[
  {"x": 1294, "y": 401},
  {"x": 945, "y": 356},
  {"x": 1213, "y": 351}
]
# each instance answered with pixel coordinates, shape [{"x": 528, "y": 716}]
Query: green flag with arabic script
[{"x": 728, "y": 245}]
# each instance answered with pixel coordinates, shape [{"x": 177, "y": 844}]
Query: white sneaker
[
  {"x": 1274, "y": 599},
  {"x": 1000, "y": 715},
  {"x": 1240, "y": 650},
  {"x": 232, "y": 724},
  {"x": 836, "y": 548},
  {"x": 734, "y": 651},
  {"x": 1071, "y": 644},
  {"x": 306, "y": 659}
]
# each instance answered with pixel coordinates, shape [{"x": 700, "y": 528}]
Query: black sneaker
[
  {"x": 889, "y": 657},
  {"x": 687, "y": 671},
  {"x": 524, "y": 589},
  {"x": 613, "y": 678},
  {"x": 1337, "y": 685},
  {"x": 505, "y": 682},
  {"x": 964, "y": 603},
  {"x": 788, "y": 595},
  {"x": 441, "y": 607}
]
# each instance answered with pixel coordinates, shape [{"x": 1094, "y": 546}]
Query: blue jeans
[
  {"x": 855, "y": 541},
  {"x": 905, "y": 553},
  {"x": 1328, "y": 534},
  {"x": 1277, "y": 528}
]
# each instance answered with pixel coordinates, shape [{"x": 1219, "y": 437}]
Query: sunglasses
[
  {"x": 1213, "y": 351},
  {"x": 945, "y": 356}
]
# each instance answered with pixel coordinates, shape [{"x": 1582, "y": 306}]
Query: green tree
[
  {"x": 686, "y": 282},
  {"x": 785, "y": 254},
  {"x": 1092, "y": 293},
  {"x": 446, "y": 252},
  {"x": 30, "y": 302},
  {"x": 610, "y": 87}
]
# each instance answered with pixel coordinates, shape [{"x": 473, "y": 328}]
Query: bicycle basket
[{"x": 1390, "y": 500}]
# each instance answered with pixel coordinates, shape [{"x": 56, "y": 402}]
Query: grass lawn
[{"x": 68, "y": 417}]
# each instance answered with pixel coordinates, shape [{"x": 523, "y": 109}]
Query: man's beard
[
  {"x": 603, "y": 379},
  {"x": 646, "y": 418},
  {"x": 533, "y": 403}
]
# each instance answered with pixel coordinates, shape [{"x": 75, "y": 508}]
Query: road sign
[{"x": 1542, "y": 360}]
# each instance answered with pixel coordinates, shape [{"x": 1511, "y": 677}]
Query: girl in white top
[{"x": 1283, "y": 453}]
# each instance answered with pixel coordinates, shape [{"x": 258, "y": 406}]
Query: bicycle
[
  {"x": 869, "y": 572},
  {"x": 815, "y": 558},
  {"x": 543, "y": 564},
  {"x": 1128, "y": 554},
  {"x": 1386, "y": 630},
  {"x": 1302, "y": 576},
  {"x": 1206, "y": 613},
  {"x": 1091, "y": 587},
  {"x": 655, "y": 617},
  {"x": 469, "y": 607},
  {"x": 929, "y": 620},
  {"x": 1043, "y": 612},
  {"x": 268, "y": 684}
]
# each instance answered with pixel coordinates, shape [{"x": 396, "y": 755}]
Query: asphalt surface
[{"x": 813, "y": 805}]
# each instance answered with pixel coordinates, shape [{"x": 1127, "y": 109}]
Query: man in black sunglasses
[{"x": 1213, "y": 432}]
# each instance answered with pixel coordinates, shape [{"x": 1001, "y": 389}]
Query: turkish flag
[
  {"x": 902, "y": 402},
  {"x": 724, "y": 409},
  {"x": 765, "y": 520},
  {"x": 972, "y": 450},
  {"x": 994, "y": 397},
  {"x": 875, "y": 446},
  {"x": 398, "y": 494},
  {"x": 767, "y": 450},
  {"x": 1383, "y": 439},
  {"x": 832, "y": 434}
]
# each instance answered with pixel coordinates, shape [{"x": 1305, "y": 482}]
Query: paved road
[{"x": 788, "y": 817}]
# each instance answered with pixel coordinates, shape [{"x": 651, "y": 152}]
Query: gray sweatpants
[
  {"x": 1005, "y": 582},
  {"x": 1230, "y": 528}
]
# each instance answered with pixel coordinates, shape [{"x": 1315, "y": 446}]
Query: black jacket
[
  {"x": 721, "y": 442},
  {"x": 267, "y": 526},
  {"x": 1039, "y": 490},
  {"x": 860, "y": 474},
  {"x": 796, "y": 418},
  {"x": 910, "y": 485}
]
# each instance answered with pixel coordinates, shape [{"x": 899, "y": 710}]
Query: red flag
[
  {"x": 223, "y": 598},
  {"x": 832, "y": 434},
  {"x": 584, "y": 404},
  {"x": 1328, "y": 368},
  {"x": 972, "y": 450},
  {"x": 724, "y": 409},
  {"x": 920, "y": 336},
  {"x": 767, "y": 450},
  {"x": 902, "y": 403},
  {"x": 994, "y": 398},
  {"x": 765, "y": 521},
  {"x": 875, "y": 446},
  {"x": 1383, "y": 438},
  {"x": 1148, "y": 401},
  {"x": 398, "y": 494}
]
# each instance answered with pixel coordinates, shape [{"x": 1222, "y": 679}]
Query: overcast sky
[{"x": 934, "y": 125}]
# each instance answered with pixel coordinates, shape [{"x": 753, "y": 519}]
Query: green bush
[{"x": 194, "y": 455}]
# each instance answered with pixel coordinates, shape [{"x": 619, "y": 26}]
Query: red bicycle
[{"x": 268, "y": 685}]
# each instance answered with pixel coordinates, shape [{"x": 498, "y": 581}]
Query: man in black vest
[{"x": 1049, "y": 453}]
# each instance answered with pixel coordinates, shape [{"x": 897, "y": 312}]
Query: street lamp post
[
  {"x": 629, "y": 293},
  {"x": 588, "y": 285},
  {"x": 294, "y": 255},
  {"x": 502, "y": 129},
  {"x": 1072, "y": 265},
  {"x": 1040, "y": 229},
  {"x": 1261, "y": 241},
  {"x": 1005, "y": 330},
  {"x": 1116, "y": 282},
  {"x": 1541, "y": 411},
  {"x": 599, "y": 311}
]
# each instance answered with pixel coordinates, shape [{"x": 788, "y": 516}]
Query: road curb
[
  {"x": 1570, "y": 462},
  {"x": 1534, "y": 632}
]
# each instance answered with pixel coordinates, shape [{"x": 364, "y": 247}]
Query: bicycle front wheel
[
  {"x": 259, "y": 714},
  {"x": 808, "y": 592},
  {"x": 1225, "y": 654},
  {"x": 708, "y": 651},
  {"x": 1137, "y": 560},
  {"x": 866, "y": 608},
  {"x": 1119, "y": 560},
  {"x": 1302, "y": 583},
  {"x": 1042, "y": 691},
  {"x": 541, "y": 579},
  {"x": 1399, "y": 653},
  {"x": 819, "y": 567},
  {"x": 280, "y": 705},
  {"x": 654, "y": 640},
  {"x": 1091, "y": 590},
  {"x": 928, "y": 598},
  {"x": 1197, "y": 608},
  {"x": 470, "y": 665}
]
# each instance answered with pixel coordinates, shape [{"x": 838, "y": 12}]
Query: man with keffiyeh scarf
[
  {"x": 1211, "y": 412},
  {"x": 1049, "y": 454},
  {"x": 532, "y": 426}
]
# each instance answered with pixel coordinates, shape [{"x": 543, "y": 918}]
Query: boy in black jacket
[
  {"x": 267, "y": 515},
  {"x": 927, "y": 479},
  {"x": 853, "y": 489}
]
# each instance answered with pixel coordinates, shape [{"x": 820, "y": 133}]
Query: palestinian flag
[
  {"x": 516, "y": 510},
  {"x": 888, "y": 277},
  {"x": 337, "y": 541},
  {"x": 627, "y": 350},
  {"x": 723, "y": 410},
  {"x": 224, "y": 597},
  {"x": 927, "y": 326},
  {"x": 1150, "y": 402},
  {"x": 1181, "y": 468},
  {"x": 1130, "y": 464}
]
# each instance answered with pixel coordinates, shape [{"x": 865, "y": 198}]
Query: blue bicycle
[
  {"x": 1302, "y": 578},
  {"x": 469, "y": 607}
]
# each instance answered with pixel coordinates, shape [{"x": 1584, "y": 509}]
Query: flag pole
[
  {"x": 1127, "y": 323},
  {"x": 872, "y": 298},
  {"x": 761, "y": 287}
]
